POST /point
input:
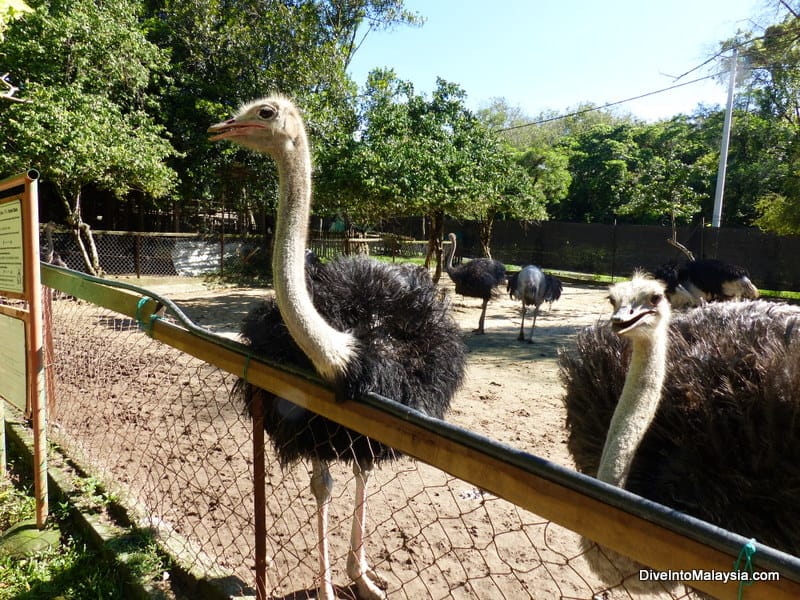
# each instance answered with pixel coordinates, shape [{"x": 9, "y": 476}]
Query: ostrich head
[
  {"x": 270, "y": 125},
  {"x": 274, "y": 126},
  {"x": 641, "y": 314},
  {"x": 641, "y": 308}
]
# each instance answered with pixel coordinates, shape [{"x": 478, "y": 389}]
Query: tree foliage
[
  {"x": 124, "y": 91},
  {"x": 86, "y": 121},
  {"x": 224, "y": 54},
  {"x": 10, "y": 10},
  {"x": 419, "y": 155}
]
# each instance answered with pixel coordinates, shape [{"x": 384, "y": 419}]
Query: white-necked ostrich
[
  {"x": 699, "y": 412},
  {"x": 533, "y": 287},
  {"x": 478, "y": 278},
  {"x": 364, "y": 326},
  {"x": 51, "y": 256},
  {"x": 700, "y": 281}
]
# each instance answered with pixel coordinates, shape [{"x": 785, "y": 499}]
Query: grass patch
[
  {"x": 16, "y": 504},
  {"x": 71, "y": 570},
  {"x": 780, "y": 295}
]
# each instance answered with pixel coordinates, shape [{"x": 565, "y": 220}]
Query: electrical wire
[{"x": 607, "y": 105}]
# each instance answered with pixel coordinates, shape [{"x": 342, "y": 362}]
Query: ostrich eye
[
  {"x": 267, "y": 112},
  {"x": 655, "y": 299}
]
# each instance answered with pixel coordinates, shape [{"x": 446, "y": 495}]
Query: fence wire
[
  {"x": 192, "y": 255},
  {"x": 161, "y": 429},
  {"x": 582, "y": 247}
]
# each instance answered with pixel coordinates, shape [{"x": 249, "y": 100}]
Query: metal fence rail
[{"x": 146, "y": 403}]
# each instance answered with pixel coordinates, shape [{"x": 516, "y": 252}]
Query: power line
[
  {"x": 608, "y": 105},
  {"x": 723, "y": 50}
]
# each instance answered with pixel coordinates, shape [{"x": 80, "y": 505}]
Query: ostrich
[
  {"x": 532, "y": 286},
  {"x": 363, "y": 326},
  {"x": 51, "y": 256},
  {"x": 702, "y": 280},
  {"x": 477, "y": 279},
  {"x": 707, "y": 418}
]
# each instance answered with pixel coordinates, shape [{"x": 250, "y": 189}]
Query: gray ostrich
[
  {"x": 363, "y": 326},
  {"x": 478, "y": 278},
  {"x": 699, "y": 412},
  {"x": 533, "y": 287}
]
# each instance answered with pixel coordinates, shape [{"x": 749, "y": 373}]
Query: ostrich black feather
[
  {"x": 725, "y": 442},
  {"x": 410, "y": 350}
]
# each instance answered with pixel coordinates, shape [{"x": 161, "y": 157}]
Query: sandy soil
[
  {"x": 170, "y": 434},
  {"x": 505, "y": 377},
  {"x": 512, "y": 394}
]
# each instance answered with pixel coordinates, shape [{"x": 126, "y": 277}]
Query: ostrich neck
[
  {"x": 636, "y": 408},
  {"x": 449, "y": 266},
  {"x": 50, "y": 246},
  {"x": 328, "y": 349}
]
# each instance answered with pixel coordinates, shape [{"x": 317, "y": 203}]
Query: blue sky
[{"x": 555, "y": 54}]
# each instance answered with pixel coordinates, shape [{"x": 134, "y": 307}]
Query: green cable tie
[
  {"x": 140, "y": 321},
  {"x": 139, "y": 306},
  {"x": 747, "y": 552},
  {"x": 153, "y": 318}
]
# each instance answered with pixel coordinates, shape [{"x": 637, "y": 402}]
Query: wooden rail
[{"x": 649, "y": 533}]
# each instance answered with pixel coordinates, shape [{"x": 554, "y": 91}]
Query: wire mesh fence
[
  {"x": 163, "y": 429},
  {"x": 589, "y": 248},
  {"x": 191, "y": 255},
  {"x": 164, "y": 254}
]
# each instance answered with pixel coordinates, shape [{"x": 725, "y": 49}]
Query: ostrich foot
[
  {"x": 520, "y": 338},
  {"x": 479, "y": 331},
  {"x": 530, "y": 340},
  {"x": 371, "y": 586}
]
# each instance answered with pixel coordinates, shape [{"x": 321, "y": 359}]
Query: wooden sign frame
[{"x": 20, "y": 279}]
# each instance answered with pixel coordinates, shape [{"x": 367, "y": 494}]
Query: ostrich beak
[
  {"x": 629, "y": 317},
  {"x": 232, "y": 129}
]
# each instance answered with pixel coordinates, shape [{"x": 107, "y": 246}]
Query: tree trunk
[
  {"x": 487, "y": 226},
  {"x": 436, "y": 233},
  {"x": 674, "y": 241},
  {"x": 82, "y": 230}
]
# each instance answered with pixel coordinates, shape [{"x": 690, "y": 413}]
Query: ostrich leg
[
  {"x": 521, "y": 336},
  {"x": 321, "y": 486},
  {"x": 535, "y": 314},
  {"x": 369, "y": 583},
  {"x": 483, "y": 316}
]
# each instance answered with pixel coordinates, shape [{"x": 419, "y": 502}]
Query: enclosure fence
[
  {"x": 588, "y": 248},
  {"x": 145, "y": 403},
  {"x": 190, "y": 255}
]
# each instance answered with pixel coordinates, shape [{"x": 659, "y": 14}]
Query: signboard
[
  {"x": 21, "y": 344},
  {"x": 11, "y": 263},
  {"x": 13, "y": 374}
]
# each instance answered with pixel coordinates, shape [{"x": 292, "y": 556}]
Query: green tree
[
  {"x": 88, "y": 72},
  {"x": 599, "y": 163},
  {"x": 224, "y": 54},
  {"x": 548, "y": 169},
  {"x": 778, "y": 214},
  {"x": 670, "y": 173},
  {"x": 10, "y": 10},
  {"x": 418, "y": 155},
  {"x": 764, "y": 161}
]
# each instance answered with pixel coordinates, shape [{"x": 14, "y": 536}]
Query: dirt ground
[
  {"x": 512, "y": 394},
  {"x": 505, "y": 377},
  {"x": 430, "y": 535}
]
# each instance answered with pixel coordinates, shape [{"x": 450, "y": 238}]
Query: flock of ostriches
[{"x": 698, "y": 410}]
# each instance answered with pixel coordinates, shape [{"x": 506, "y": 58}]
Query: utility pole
[{"x": 716, "y": 218}]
